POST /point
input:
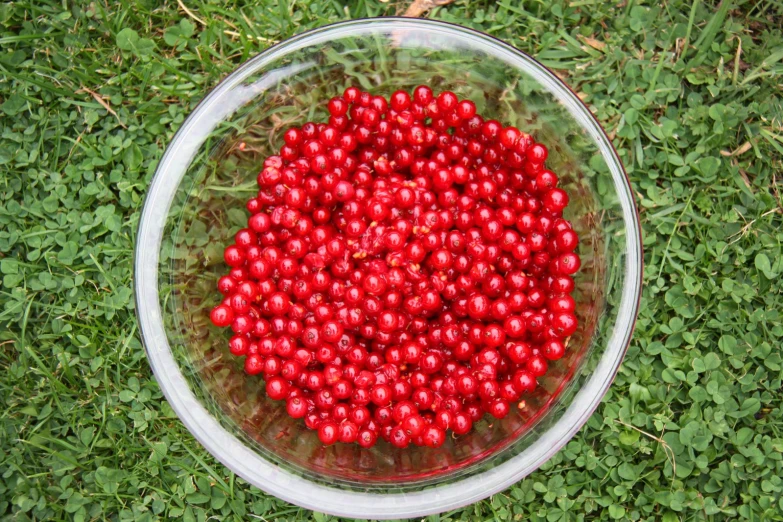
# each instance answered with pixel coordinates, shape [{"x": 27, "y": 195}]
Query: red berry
[
  {"x": 537, "y": 366},
  {"x": 276, "y": 388},
  {"x": 234, "y": 256},
  {"x": 498, "y": 408},
  {"x": 367, "y": 438},
  {"x": 466, "y": 109},
  {"x": 422, "y": 95},
  {"x": 328, "y": 433},
  {"x": 565, "y": 324},
  {"x": 399, "y": 438},
  {"x": 553, "y": 350},
  {"x": 434, "y": 437},
  {"x": 221, "y": 316},
  {"x": 348, "y": 432},
  {"x": 568, "y": 264},
  {"x": 254, "y": 365},
  {"x": 413, "y": 425},
  {"x": 238, "y": 345},
  {"x": 337, "y": 107},
  {"x": 461, "y": 424},
  {"x": 447, "y": 101},
  {"x": 537, "y": 153},
  {"x": 524, "y": 381},
  {"x": 405, "y": 269},
  {"x": 555, "y": 200},
  {"x": 296, "y": 407}
]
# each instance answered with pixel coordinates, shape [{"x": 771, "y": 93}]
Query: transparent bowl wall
[{"x": 196, "y": 204}]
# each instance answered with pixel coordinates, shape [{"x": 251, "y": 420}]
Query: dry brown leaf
[
  {"x": 744, "y": 176},
  {"x": 419, "y": 7},
  {"x": 742, "y": 149},
  {"x": 103, "y": 103},
  {"x": 592, "y": 42},
  {"x": 191, "y": 13},
  {"x": 249, "y": 36}
]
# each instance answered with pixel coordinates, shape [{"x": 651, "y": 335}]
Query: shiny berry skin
[
  {"x": 524, "y": 381},
  {"x": 233, "y": 256},
  {"x": 381, "y": 394},
  {"x": 414, "y": 425},
  {"x": 434, "y": 437},
  {"x": 406, "y": 269},
  {"x": 399, "y": 438},
  {"x": 328, "y": 433},
  {"x": 367, "y": 438},
  {"x": 347, "y": 432},
  {"x": 430, "y": 362},
  {"x": 226, "y": 285},
  {"x": 422, "y": 95},
  {"x": 447, "y": 101},
  {"x": 400, "y": 101},
  {"x": 296, "y": 407},
  {"x": 254, "y": 365},
  {"x": 222, "y": 316},
  {"x": 565, "y": 324},
  {"x": 553, "y": 349},
  {"x": 461, "y": 423},
  {"x": 537, "y": 366},
  {"x": 499, "y": 408},
  {"x": 537, "y": 153},
  {"x": 568, "y": 264},
  {"x": 467, "y": 384},
  {"x": 478, "y": 306},
  {"x": 566, "y": 241},
  {"x": 337, "y": 107},
  {"x": 277, "y": 388},
  {"x": 238, "y": 345}
]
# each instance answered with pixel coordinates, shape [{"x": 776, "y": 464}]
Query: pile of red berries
[{"x": 405, "y": 270}]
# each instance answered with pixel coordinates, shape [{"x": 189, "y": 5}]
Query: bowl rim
[{"x": 249, "y": 465}]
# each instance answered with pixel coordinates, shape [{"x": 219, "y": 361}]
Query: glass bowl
[{"x": 195, "y": 204}]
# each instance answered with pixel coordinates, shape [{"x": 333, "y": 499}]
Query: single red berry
[
  {"x": 222, "y": 316},
  {"x": 328, "y": 433},
  {"x": 234, "y": 256},
  {"x": 399, "y": 438},
  {"x": 296, "y": 407},
  {"x": 422, "y": 95},
  {"x": 348, "y": 432},
  {"x": 367, "y": 438},
  {"x": 555, "y": 200},
  {"x": 466, "y": 109},
  {"x": 434, "y": 437},
  {"x": 254, "y": 365},
  {"x": 524, "y": 381},
  {"x": 553, "y": 350},
  {"x": 277, "y": 388},
  {"x": 461, "y": 424},
  {"x": 537, "y": 366},
  {"x": 447, "y": 101},
  {"x": 568, "y": 263},
  {"x": 238, "y": 345},
  {"x": 499, "y": 408},
  {"x": 537, "y": 153}
]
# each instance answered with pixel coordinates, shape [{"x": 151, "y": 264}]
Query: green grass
[{"x": 692, "y": 428}]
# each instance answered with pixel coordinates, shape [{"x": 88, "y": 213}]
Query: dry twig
[
  {"x": 103, "y": 103},
  {"x": 419, "y": 7}
]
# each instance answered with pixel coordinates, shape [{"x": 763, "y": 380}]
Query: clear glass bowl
[{"x": 195, "y": 205}]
